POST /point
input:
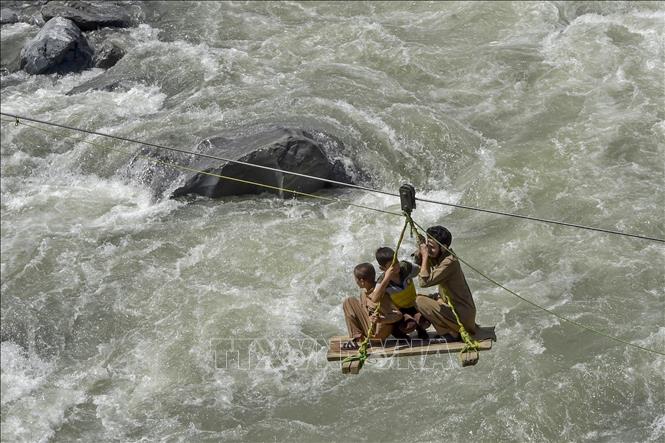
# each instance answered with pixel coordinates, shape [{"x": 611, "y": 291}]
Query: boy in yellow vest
[{"x": 402, "y": 292}]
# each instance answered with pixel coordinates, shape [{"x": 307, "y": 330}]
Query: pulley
[{"x": 407, "y": 197}]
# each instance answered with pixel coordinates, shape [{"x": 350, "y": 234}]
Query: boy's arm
[
  {"x": 391, "y": 317},
  {"x": 380, "y": 289}
]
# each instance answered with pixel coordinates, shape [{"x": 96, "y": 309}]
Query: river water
[{"x": 132, "y": 318}]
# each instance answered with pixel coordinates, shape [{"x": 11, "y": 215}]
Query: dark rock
[
  {"x": 89, "y": 15},
  {"x": 8, "y": 16},
  {"x": 21, "y": 12},
  {"x": 291, "y": 151},
  {"x": 12, "y": 42},
  {"x": 58, "y": 47},
  {"x": 111, "y": 80},
  {"x": 115, "y": 85},
  {"x": 295, "y": 150},
  {"x": 36, "y": 19},
  {"x": 107, "y": 55}
]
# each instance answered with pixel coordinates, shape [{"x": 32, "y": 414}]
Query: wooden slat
[
  {"x": 352, "y": 367},
  {"x": 403, "y": 348}
]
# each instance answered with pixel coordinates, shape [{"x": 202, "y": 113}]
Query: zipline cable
[
  {"x": 200, "y": 154},
  {"x": 336, "y": 200},
  {"x": 338, "y": 183},
  {"x": 212, "y": 174}
]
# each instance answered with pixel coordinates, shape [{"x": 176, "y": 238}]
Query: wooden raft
[{"x": 393, "y": 347}]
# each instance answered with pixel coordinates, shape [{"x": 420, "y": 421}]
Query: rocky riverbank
[{"x": 63, "y": 44}]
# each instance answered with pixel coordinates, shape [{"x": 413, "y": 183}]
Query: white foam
[
  {"x": 214, "y": 61},
  {"x": 534, "y": 347},
  {"x": 145, "y": 33},
  {"x": 562, "y": 49},
  {"x": 132, "y": 204},
  {"x": 33, "y": 407},
  {"x": 430, "y": 213},
  {"x": 22, "y": 372},
  {"x": 366, "y": 116},
  {"x": 11, "y": 30},
  {"x": 657, "y": 428}
]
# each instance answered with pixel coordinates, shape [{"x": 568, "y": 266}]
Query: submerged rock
[
  {"x": 8, "y": 16},
  {"x": 289, "y": 149},
  {"x": 58, "y": 47},
  {"x": 111, "y": 80},
  {"x": 107, "y": 55},
  {"x": 21, "y": 12},
  {"x": 88, "y": 15}
]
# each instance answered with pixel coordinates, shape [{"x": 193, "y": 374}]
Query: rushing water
[{"x": 117, "y": 308}]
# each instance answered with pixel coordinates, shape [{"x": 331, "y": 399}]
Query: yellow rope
[{"x": 469, "y": 343}]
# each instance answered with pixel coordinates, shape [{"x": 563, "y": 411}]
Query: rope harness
[{"x": 468, "y": 355}]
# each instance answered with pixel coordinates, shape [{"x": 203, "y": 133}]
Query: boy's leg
[
  {"x": 357, "y": 322},
  {"x": 382, "y": 330},
  {"x": 356, "y": 317}
]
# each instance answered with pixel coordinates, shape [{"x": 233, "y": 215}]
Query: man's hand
[{"x": 422, "y": 248}]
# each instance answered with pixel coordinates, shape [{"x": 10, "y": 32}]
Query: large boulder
[
  {"x": 89, "y": 15},
  {"x": 59, "y": 47},
  {"x": 311, "y": 153}
]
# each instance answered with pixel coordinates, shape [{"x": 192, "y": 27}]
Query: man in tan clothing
[
  {"x": 359, "y": 313},
  {"x": 440, "y": 267}
]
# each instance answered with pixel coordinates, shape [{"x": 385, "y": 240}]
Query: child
[
  {"x": 402, "y": 292},
  {"x": 359, "y": 313}
]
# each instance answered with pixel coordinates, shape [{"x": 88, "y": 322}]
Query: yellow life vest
[{"x": 406, "y": 298}]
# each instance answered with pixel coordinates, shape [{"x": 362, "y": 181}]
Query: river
[{"x": 127, "y": 317}]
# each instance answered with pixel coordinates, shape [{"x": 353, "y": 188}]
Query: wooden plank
[
  {"x": 401, "y": 348},
  {"x": 351, "y": 367},
  {"x": 404, "y": 348}
]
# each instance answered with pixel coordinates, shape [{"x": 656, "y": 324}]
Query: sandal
[{"x": 350, "y": 345}]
